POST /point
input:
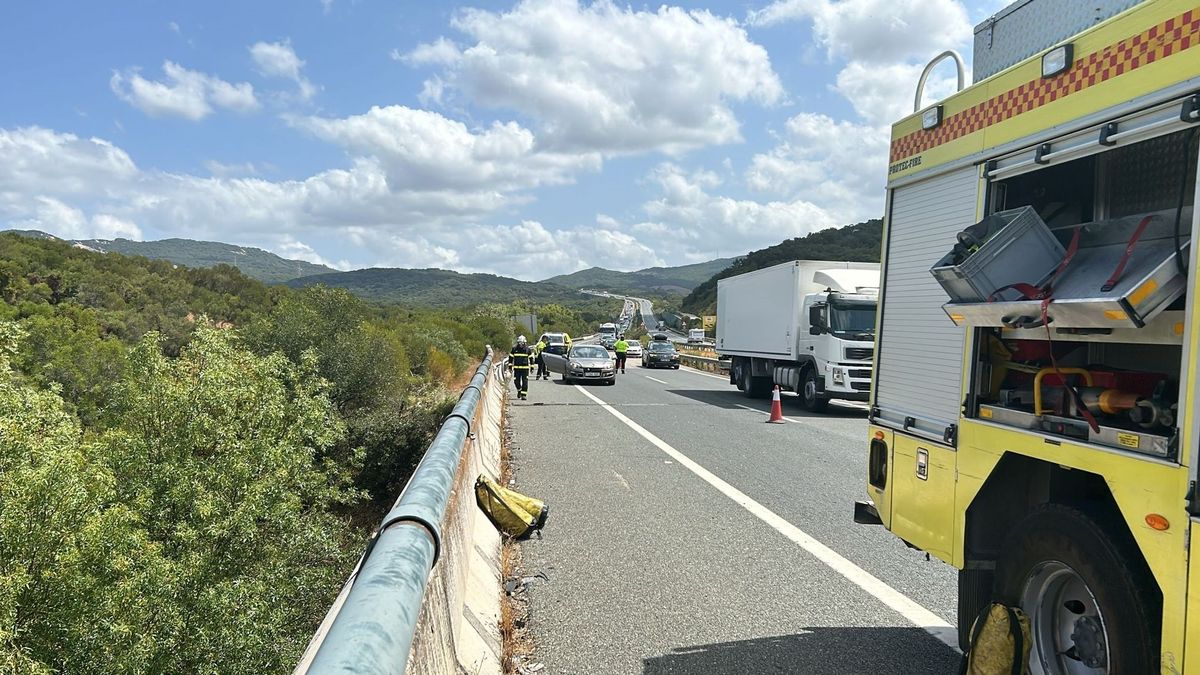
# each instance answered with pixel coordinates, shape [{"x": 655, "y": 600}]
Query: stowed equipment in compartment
[
  {"x": 1113, "y": 273},
  {"x": 1092, "y": 402}
]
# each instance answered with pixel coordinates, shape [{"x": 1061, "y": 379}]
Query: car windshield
[
  {"x": 856, "y": 318},
  {"x": 589, "y": 352},
  {"x": 661, "y": 347}
]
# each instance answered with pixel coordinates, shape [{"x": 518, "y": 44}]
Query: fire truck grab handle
[{"x": 962, "y": 75}]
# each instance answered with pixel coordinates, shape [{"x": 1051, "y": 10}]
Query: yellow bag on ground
[
  {"x": 511, "y": 512},
  {"x": 1000, "y": 642}
]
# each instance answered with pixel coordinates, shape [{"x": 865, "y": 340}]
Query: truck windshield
[{"x": 852, "y": 319}]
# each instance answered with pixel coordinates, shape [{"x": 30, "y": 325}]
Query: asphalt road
[{"x": 673, "y": 548}]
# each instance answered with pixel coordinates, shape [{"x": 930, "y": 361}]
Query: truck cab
[{"x": 840, "y": 335}]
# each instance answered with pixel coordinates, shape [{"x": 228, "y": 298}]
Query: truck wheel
[
  {"x": 759, "y": 387},
  {"x": 813, "y": 402},
  {"x": 743, "y": 381},
  {"x": 1092, "y": 604}
]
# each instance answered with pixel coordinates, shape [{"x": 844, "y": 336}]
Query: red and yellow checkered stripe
[{"x": 1169, "y": 38}]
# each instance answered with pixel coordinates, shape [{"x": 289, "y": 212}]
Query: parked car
[
  {"x": 634, "y": 351},
  {"x": 584, "y": 363},
  {"x": 557, "y": 343},
  {"x": 661, "y": 354}
]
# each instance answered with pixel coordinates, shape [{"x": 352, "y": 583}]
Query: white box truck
[
  {"x": 806, "y": 325},
  {"x": 695, "y": 335}
]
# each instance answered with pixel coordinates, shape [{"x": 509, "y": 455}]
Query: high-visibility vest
[{"x": 621, "y": 347}]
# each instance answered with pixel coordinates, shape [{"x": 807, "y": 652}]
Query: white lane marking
[
  {"x": 764, "y": 412},
  {"x": 654, "y": 378},
  {"x": 900, "y": 603},
  {"x": 701, "y": 372}
]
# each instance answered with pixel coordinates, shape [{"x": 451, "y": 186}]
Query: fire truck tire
[
  {"x": 809, "y": 398},
  {"x": 974, "y": 592},
  {"x": 1089, "y": 596}
]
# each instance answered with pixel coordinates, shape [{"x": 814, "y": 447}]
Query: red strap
[
  {"x": 1072, "y": 249},
  {"x": 1116, "y": 275}
]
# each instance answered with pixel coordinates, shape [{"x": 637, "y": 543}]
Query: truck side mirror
[{"x": 814, "y": 320}]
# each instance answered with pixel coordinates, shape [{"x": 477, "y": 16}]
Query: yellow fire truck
[{"x": 1033, "y": 411}]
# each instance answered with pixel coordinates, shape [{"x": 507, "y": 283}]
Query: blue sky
[{"x": 523, "y": 138}]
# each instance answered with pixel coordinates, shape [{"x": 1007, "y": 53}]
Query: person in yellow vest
[
  {"x": 620, "y": 348},
  {"x": 540, "y": 347},
  {"x": 520, "y": 359}
]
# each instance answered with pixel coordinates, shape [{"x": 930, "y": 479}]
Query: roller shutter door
[{"x": 918, "y": 370}]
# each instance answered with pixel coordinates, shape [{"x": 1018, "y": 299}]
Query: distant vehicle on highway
[
  {"x": 634, "y": 351},
  {"x": 556, "y": 343},
  {"x": 695, "y": 335},
  {"x": 585, "y": 363},
  {"x": 660, "y": 354},
  {"x": 607, "y": 330}
]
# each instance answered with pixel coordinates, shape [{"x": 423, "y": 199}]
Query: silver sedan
[{"x": 585, "y": 363}]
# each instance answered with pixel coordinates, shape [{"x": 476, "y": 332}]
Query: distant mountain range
[
  {"x": 253, "y": 262},
  {"x": 681, "y": 279},
  {"x": 438, "y": 288}
]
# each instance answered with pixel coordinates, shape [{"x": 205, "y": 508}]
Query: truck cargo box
[{"x": 758, "y": 313}]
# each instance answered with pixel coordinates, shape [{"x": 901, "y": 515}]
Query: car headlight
[
  {"x": 575, "y": 365},
  {"x": 839, "y": 376}
]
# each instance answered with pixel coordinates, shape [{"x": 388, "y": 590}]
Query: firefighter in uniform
[{"x": 520, "y": 359}]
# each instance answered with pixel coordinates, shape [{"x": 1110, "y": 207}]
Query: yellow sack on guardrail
[{"x": 512, "y": 513}]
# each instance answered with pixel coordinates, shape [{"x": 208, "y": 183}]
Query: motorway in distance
[{"x": 688, "y": 536}]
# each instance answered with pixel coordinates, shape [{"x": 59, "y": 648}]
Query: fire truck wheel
[{"x": 1092, "y": 604}]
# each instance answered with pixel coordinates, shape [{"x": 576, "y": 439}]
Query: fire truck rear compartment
[{"x": 1091, "y": 376}]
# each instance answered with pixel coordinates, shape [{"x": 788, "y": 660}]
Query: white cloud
[
  {"x": 689, "y": 222},
  {"x": 37, "y": 159},
  {"x": 326, "y": 6},
  {"x": 294, "y": 249},
  {"x": 601, "y": 77},
  {"x": 185, "y": 93},
  {"x": 875, "y": 31},
  {"x": 838, "y": 166},
  {"x": 278, "y": 59},
  {"x": 424, "y": 151},
  {"x": 68, "y": 222}
]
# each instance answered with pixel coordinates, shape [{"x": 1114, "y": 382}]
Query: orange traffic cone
[{"x": 776, "y": 408}]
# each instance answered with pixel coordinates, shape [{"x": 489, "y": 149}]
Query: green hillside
[
  {"x": 680, "y": 279},
  {"x": 438, "y": 288},
  {"x": 854, "y": 243},
  {"x": 253, "y": 262}
]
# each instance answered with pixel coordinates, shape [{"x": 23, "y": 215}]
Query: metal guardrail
[{"x": 375, "y": 618}]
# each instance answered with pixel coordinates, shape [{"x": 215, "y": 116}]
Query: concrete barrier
[{"x": 712, "y": 365}]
